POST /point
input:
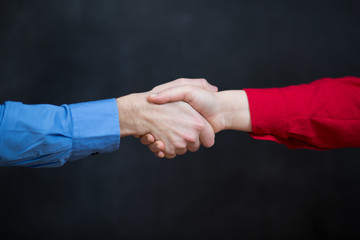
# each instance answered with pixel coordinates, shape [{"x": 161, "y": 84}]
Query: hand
[
  {"x": 223, "y": 110},
  {"x": 199, "y": 82},
  {"x": 207, "y": 103},
  {"x": 177, "y": 125}
]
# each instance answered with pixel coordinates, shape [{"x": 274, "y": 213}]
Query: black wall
[{"x": 69, "y": 51}]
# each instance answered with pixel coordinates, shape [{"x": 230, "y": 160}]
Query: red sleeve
[{"x": 321, "y": 115}]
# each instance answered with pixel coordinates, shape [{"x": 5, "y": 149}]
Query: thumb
[{"x": 173, "y": 94}]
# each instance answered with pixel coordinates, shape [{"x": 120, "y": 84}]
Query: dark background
[{"x": 75, "y": 50}]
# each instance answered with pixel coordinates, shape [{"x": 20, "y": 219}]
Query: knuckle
[
  {"x": 169, "y": 92},
  {"x": 180, "y": 145},
  {"x": 199, "y": 125},
  {"x": 171, "y": 150},
  {"x": 194, "y": 148},
  {"x": 191, "y": 139},
  {"x": 204, "y": 83}
]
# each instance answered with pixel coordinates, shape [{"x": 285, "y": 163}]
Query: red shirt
[{"x": 321, "y": 115}]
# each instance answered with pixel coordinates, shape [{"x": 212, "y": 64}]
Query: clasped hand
[{"x": 178, "y": 116}]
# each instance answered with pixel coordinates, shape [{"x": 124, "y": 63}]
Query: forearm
[
  {"x": 48, "y": 136},
  {"x": 320, "y": 115}
]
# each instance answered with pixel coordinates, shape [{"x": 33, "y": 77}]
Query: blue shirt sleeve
[{"x": 49, "y": 136}]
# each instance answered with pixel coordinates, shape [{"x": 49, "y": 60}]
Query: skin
[
  {"x": 177, "y": 124},
  {"x": 223, "y": 110}
]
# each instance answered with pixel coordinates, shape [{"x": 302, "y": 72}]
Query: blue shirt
[{"x": 49, "y": 136}]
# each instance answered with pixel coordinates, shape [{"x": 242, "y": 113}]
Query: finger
[
  {"x": 147, "y": 139},
  {"x": 207, "y": 135},
  {"x": 196, "y": 82},
  {"x": 160, "y": 154},
  {"x": 181, "y": 151},
  {"x": 170, "y": 156},
  {"x": 160, "y": 145},
  {"x": 174, "y": 94},
  {"x": 156, "y": 146},
  {"x": 194, "y": 146}
]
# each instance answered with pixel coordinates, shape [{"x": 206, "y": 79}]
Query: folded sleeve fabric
[
  {"x": 321, "y": 115},
  {"x": 49, "y": 136}
]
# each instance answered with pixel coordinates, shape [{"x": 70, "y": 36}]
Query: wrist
[
  {"x": 234, "y": 113},
  {"x": 129, "y": 115}
]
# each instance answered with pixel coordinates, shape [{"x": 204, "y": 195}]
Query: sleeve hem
[
  {"x": 96, "y": 128},
  {"x": 268, "y": 112}
]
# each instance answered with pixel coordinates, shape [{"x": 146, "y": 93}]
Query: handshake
[{"x": 182, "y": 115}]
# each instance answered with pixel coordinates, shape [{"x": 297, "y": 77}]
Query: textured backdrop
[{"x": 68, "y": 51}]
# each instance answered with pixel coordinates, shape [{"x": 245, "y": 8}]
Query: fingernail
[{"x": 153, "y": 95}]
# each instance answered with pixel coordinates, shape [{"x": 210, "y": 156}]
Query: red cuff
[{"x": 268, "y": 113}]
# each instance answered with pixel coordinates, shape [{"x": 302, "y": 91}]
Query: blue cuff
[{"x": 96, "y": 128}]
